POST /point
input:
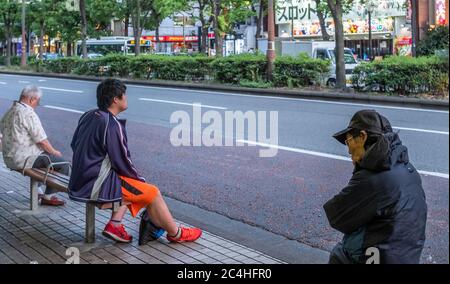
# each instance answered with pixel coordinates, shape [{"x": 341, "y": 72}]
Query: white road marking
[
  {"x": 180, "y": 103},
  {"x": 259, "y": 96},
  {"x": 2, "y": 83},
  {"x": 421, "y": 130},
  {"x": 64, "y": 109},
  {"x": 442, "y": 175},
  {"x": 61, "y": 90},
  {"x": 49, "y": 78},
  {"x": 326, "y": 155},
  {"x": 24, "y": 82},
  {"x": 42, "y": 80},
  {"x": 295, "y": 99}
]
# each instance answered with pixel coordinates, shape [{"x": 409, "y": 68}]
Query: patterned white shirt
[{"x": 22, "y": 130}]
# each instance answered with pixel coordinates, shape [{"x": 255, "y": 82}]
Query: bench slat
[
  {"x": 51, "y": 181},
  {"x": 55, "y": 175},
  {"x": 61, "y": 182}
]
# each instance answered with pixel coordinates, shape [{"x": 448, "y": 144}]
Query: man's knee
[{"x": 154, "y": 196}]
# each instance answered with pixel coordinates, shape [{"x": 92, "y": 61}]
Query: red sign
[
  {"x": 404, "y": 41},
  {"x": 172, "y": 38}
]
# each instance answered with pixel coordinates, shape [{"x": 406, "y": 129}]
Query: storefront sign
[
  {"x": 403, "y": 45},
  {"x": 440, "y": 12},
  {"x": 305, "y": 10},
  {"x": 172, "y": 38},
  {"x": 312, "y": 28}
]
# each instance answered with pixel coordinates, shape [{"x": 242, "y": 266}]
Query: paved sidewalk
[{"x": 45, "y": 236}]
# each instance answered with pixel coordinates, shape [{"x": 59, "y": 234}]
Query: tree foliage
[{"x": 435, "y": 39}]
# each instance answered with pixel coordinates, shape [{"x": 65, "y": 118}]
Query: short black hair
[{"x": 107, "y": 90}]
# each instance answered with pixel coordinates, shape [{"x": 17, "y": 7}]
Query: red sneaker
[
  {"x": 116, "y": 233},
  {"x": 54, "y": 201},
  {"x": 187, "y": 235}
]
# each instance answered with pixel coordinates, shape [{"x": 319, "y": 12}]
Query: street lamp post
[
  {"x": 184, "y": 41},
  {"x": 370, "y": 8},
  {"x": 270, "y": 41},
  {"x": 292, "y": 19},
  {"x": 23, "y": 58}
]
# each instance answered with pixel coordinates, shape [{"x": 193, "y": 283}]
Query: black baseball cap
[{"x": 368, "y": 120}]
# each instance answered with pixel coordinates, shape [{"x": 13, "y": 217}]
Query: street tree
[
  {"x": 227, "y": 13},
  {"x": 322, "y": 11},
  {"x": 124, "y": 12},
  {"x": 148, "y": 14},
  {"x": 218, "y": 37},
  {"x": 99, "y": 14},
  {"x": 161, "y": 9},
  {"x": 84, "y": 27},
  {"x": 338, "y": 9},
  {"x": 259, "y": 8},
  {"x": 205, "y": 16},
  {"x": 43, "y": 15},
  {"x": 69, "y": 28},
  {"x": 10, "y": 15}
]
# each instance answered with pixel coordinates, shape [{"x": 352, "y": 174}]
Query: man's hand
[{"x": 47, "y": 147}]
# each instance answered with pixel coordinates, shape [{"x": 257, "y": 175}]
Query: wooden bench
[{"x": 60, "y": 182}]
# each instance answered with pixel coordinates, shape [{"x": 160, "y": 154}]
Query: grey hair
[{"x": 31, "y": 92}]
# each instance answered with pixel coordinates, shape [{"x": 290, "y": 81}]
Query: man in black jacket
[{"x": 382, "y": 211}]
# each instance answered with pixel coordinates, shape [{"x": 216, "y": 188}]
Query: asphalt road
[{"x": 283, "y": 194}]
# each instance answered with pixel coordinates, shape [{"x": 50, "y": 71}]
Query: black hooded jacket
[{"x": 382, "y": 206}]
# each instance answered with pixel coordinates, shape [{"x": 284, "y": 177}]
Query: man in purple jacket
[{"x": 104, "y": 173}]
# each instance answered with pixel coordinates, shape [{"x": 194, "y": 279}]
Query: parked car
[
  {"x": 49, "y": 56},
  {"x": 92, "y": 55}
]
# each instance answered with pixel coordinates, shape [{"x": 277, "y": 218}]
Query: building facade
[{"x": 390, "y": 24}]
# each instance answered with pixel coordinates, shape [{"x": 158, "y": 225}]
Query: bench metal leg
[
  {"x": 33, "y": 194},
  {"x": 90, "y": 223}
]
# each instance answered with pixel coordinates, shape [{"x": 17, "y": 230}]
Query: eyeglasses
[{"x": 348, "y": 139}]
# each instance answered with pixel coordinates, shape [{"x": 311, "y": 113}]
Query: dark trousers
[{"x": 43, "y": 162}]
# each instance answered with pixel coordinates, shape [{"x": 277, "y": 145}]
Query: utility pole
[
  {"x": 414, "y": 29},
  {"x": 270, "y": 41},
  {"x": 23, "y": 59}
]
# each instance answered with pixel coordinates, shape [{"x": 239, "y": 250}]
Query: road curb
[{"x": 310, "y": 94}]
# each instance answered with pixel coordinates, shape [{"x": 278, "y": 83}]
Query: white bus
[{"x": 106, "y": 45}]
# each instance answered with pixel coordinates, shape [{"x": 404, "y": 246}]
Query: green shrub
[
  {"x": 233, "y": 69},
  {"x": 299, "y": 71},
  {"x": 15, "y": 60},
  {"x": 88, "y": 67},
  {"x": 178, "y": 68},
  {"x": 61, "y": 65},
  {"x": 116, "y": 65},
  {"x": 403, "y": 75},
  {"x": 255, "y": 84}
]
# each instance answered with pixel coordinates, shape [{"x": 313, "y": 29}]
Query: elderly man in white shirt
[{"x": 25, "y": 141}]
